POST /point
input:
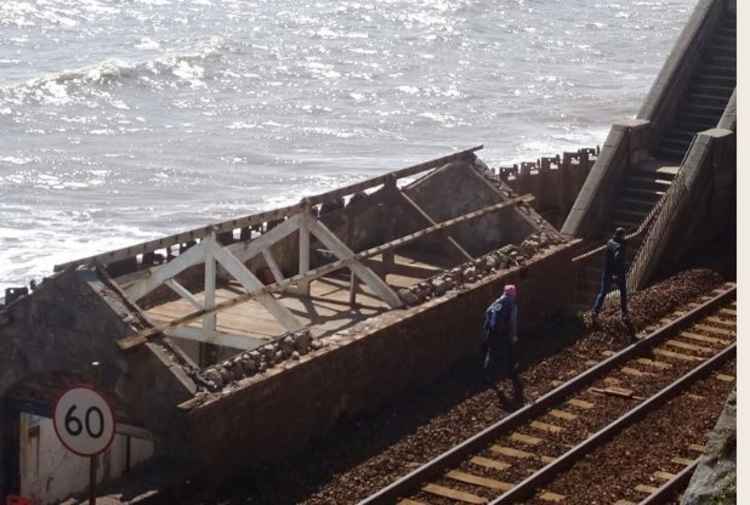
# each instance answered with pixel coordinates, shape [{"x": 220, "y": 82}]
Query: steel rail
[
  {"x": 452, "y": 457},
  {"x": 668, "y": 488}
]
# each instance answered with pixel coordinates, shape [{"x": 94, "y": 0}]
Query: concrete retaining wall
[{"x": 270, "y": 417}]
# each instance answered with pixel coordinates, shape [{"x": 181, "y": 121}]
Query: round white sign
[{"x": 84, "y": 421}]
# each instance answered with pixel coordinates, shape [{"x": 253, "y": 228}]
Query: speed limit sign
[{"x": 84, "y": 421}]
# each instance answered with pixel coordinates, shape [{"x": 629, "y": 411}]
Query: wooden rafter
[
  {"x": 144, "y": 336},
  {"x": 429, "y": 219}
]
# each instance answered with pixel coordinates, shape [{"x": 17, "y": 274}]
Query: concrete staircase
[{"x": 708, "y": 94}]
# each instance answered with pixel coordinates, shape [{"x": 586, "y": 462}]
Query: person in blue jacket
[
  {"x": 615, "y": 269},
  {"x": 499, "y": 333}
]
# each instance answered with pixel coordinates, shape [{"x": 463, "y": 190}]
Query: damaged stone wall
[
  {"x": 281, "y": 410},
  {"x": 714, "y": 481}
]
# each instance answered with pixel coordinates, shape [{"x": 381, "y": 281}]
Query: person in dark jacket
[
  {"x": 615, "y": 270},
  {"x": 499, "y": 333}
]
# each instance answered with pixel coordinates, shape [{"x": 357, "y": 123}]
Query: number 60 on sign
[{"x": 84, "y": 421}]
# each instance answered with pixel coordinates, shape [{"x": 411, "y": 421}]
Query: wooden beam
[
  {"x": 304, "y": 249},
  {"x": 244, "y": 342},
  {"x": 262, "y": 217},
  {"x": 245, "y": 251},
  {"x": 337, "y": 247},
  {"x": 209, "y": 283},
  {"x": 193, "y": 256},
  {"x": 275, "y": 270},
  {"x": 429, "y": 219},
  {"x": 142, "y": 337},
  {"x": 396, "y": 174},
  {"x": 352, "y": 289},
  {"x": 183, "y": 292},
  {"x": 251, "y": 283}
]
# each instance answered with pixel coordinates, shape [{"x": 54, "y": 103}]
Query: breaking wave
[{"x": 174, "y": 69}]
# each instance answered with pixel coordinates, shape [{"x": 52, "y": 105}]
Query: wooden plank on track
[
  {"x": 548, "y": 428},
  {"x": 490, "y": 463},
  {"x": 689, "y": 347},
  {"x": 725, "y": 377},
  {"x": 525, "y": 439},
  {"x": 551, "y": 497},
  {"x": 665, "y": 476},
  {"x": 454, "y": 494},
  {"x": 634, "y": 372},
  {"x": 654, "y": 363},
  {"x": 715, "y": 329},
  {"x": 725, "y": 322},
  {"x": 583, "y": 404},
  {"x": 624, "y": 502},
  {"x": 646, "y": 489},
  {"x": 511, "y": 452},
  {"x": 476, "y": 480},
  {"x": 697, "y": 447},
  {"x": 677, "y": 355},
  {"x": 729, "y": 312},
  {"x": 561, "y": 414},
  {"x": 411, "y": 502},
  {"x": 701, "y": 338},
  {"x": 683, "y": 461}
]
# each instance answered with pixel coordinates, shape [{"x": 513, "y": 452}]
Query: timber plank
[
  {"x": 689, "y": 347},
  {"x": 551, "y": 497},
  {"x": 525, "y": 439},
  {"x": 454, "y": 494},
  {"x": 654, "y": 363},
  {"x": 676, "y": 355},
  {"x": 646, "y": 489},
  {"x": 476, "y": 480},
  {"x": 701, "y": 338},
  {"x": 682, "y": 461},
  {"x": 665, "y": 476},
  {"x": 715, "y": 329},
  {"x": 548, "y": 428},
  {"x": 725, "y": 377},
  {"x": 492, "y": 464},
  {"x": 583, "y": 404},
  {"x": 411, "y": 502},
  {"x": 561, "y": 414},
  {"x": 511, "y": 452}
]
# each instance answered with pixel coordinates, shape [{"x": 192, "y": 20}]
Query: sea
[{"x": 125, "y": 120}]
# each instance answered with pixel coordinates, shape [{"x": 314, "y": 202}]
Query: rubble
[{"x": 292, "y": 346}]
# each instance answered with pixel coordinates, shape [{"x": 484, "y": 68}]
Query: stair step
[
  {"x": 720, "y": 68},
  {"x": 630, "y": 214},
  {"x": 729, "y": 50},
  {"x": 698, "y": 118},
  {"x": 649, "y": 195},
  {"x": 670, "y": 153},
  {"x": 636, "y": 204},
  {"x": 679, "y": 134},
  {"x": 717, "y": 58},
  {"x": 717, "y": 91},
  {"x": 712, "y": 110},
  {"x": 635, "y": 181},
  {"x": 717, "y": 80},
  {"x": 679, "y": 145}
]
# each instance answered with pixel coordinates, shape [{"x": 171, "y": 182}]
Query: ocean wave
[{"x": 77, "y": 85}]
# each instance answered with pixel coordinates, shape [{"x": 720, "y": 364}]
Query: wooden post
[
  {"x": 209, "y": 297},
  {"x": 352, "y": 289},
  {"x": 304, "y": 247},
  {"x": 389, "y": 257}
]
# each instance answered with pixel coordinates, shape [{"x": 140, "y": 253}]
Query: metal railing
[{"x": 660, "y": 218}]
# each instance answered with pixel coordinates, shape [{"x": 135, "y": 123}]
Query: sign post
[{"x": 85, "y": 425}]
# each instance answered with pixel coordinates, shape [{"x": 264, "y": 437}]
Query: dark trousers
[
  {"x": 606, "y": 286},
  {"x": 497, "y": 357}
]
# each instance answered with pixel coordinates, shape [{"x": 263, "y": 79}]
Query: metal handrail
[{"x": 661, "y": 215}]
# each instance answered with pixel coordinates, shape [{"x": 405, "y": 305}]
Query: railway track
[{"x": 512, "y": 460}]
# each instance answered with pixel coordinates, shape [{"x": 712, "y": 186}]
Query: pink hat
[{"x": 510, "y": 289}]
